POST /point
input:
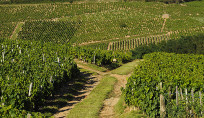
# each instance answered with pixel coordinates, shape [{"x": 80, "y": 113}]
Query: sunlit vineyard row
[
  {"x": 128, "y": 44},
  {"x": 133, "y": 43}
]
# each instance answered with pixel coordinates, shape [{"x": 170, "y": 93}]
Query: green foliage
[
  {"x": 182, "y": 70},
  {"x": 101, "y": 45},
  {"x": 101, "y": 21},
  {"x": 48, "y": 31},
  {"x": 185, "y": 45},
  {"x": 123, "y": 25},
  {"x": 6, "y": 29},
  {"x": 182, "y": 110},
  {"x": 32, "y": 66},
  {"x": 102, "y": 57}
]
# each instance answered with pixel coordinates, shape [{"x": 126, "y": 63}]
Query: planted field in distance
[{"x": 113, "y": 20}]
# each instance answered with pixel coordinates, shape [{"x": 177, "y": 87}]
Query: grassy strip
[
  {"x": 88, "y": 71},
  {"x": 133, "y": 114},
  {"x": 120, "y": 106},
  {"x": 93, "y": 66},
  {"x": 90, "y": 106},
  {"x": 18, "y": 28},
  {"x": 126, "y": 68},
  {"x": 59, "y": 100},
  {"x": 120, "y": 110}
]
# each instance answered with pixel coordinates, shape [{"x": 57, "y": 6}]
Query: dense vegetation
[
  {"x": 48, "y": 31},
  {"x": 182, "y": 70},
  {"x": 185, "y": 45},
  {"x": 6, "y": 29},
  {"x": 103, "y": 57},
  {"x": 30, "y": 72}
]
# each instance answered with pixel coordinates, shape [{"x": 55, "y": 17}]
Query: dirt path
[
  {"x": 108, "y": 108},
  {"x": 88, "y": 87},
  {"x": 93, "y": 81},
  {"x": 90, "y": 69}
]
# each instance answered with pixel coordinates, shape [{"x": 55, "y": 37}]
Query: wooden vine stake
[
  {"x": 200, "y": 95},
  {"x": 28, "y": 115},
  {"x": 58, "y": 60},
  {"x": 162, "y": 104},
  {"x": 51, "y": 79},
  {"x": 186, "y": 95},
  {"x": 30, "y": 89},
  {"x": 3, "y": 56},
  {"x": 192, "y": 94},
  {"x": 177, "y": 95}
]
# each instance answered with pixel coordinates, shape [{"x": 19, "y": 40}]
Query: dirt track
[{"x": 108, "y": 108}]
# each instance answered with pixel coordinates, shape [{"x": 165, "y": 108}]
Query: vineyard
[
  {"x": 182, "y": 70},
  {"x": 133, "y": 43},
  {"x": 103, "y": 57},
  {"x": 48, "y": 31},
  {"x": 31, "y": 71},
  {"x": 39, "y": 42},
  {"x": 110, "y": 22}
]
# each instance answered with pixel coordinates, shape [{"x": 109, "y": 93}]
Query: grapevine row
[
  {"x": 182, "y": 70},
  {"x": 30, "y": 72},
  {"x": 133, "y": 43}
]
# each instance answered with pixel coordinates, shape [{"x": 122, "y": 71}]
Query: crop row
[
  {"x": 133, "y": 43},
  {"x": 182, "y": 70},
  {"x": 20, "y": 13},
  {"x": 33, "y": 70},
  {"x": 6, "y": 29},
  {"x": 48, "y": 31},
  {"x": 102, "y": 57},
  {"x": 30, "y": 72}
]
